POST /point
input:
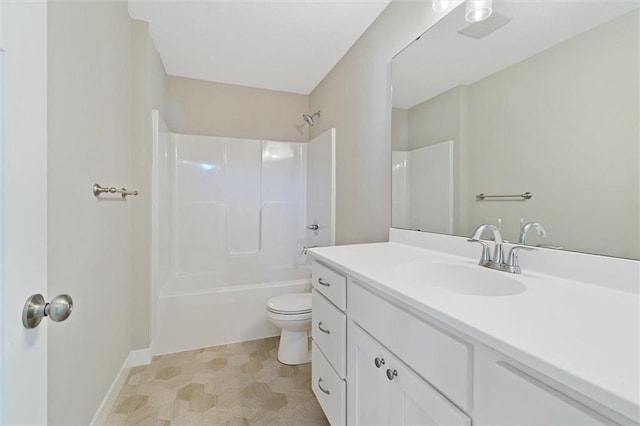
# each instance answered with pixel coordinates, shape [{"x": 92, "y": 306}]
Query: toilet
[{"x": 292, "y": 313}]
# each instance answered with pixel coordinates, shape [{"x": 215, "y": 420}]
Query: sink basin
[{"x": 472, "y": 280}]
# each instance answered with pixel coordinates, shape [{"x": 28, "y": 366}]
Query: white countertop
[{"x": 584, "y": 336}]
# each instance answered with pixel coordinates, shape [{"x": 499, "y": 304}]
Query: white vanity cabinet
[{"x": 385, "y": 362}]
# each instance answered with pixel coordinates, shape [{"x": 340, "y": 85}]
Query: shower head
[{"x": 309, "y": 118}]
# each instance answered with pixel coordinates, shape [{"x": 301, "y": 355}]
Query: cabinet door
[
  {"x": 511, "y": 396},
  {"x": 367, "y": 386},
  {"x": 413, "y": 401},
  {"x": 390, "y": 393}
]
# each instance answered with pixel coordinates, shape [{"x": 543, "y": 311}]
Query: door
[{"x": 23, "y": 209}]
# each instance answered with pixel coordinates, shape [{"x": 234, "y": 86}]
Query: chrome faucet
[
  {"x": 522, "y": 239},
  {"x": 497, "y": 261},
  {"x": 305, "y": 249},
  {"x": 497, "y": 250}
]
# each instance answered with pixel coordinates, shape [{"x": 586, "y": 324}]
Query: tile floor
[{"x": 237, "y": 384}]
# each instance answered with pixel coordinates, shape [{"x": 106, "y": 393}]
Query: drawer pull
[
  {"x": 321, "y": 388},
  {"x": 391, "y": 374},
  {"x": 323, "y": 282},
  {"x": 379, "y": 362},
  {"x": 324, "y": 330}
]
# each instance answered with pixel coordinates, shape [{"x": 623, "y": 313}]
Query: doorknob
[{"x": 35, "y": 308}]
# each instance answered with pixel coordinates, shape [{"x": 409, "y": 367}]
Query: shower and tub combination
[{"x": 230, "y": 222}]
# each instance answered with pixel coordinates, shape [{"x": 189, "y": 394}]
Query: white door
[{"x": 23, "y": 209}]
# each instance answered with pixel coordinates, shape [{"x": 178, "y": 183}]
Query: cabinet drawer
[
  {"x": 329, "y": 331},
  {"x": 330, "y": 283},
  {"x": 439, "y": 358},
  {"x": 328, "y": 388}
]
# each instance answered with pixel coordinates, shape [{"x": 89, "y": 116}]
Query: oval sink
[{"x": 461, "y": 279}]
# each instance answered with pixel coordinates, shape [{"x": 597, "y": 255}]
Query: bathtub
[{"x": 201, "y": 310}]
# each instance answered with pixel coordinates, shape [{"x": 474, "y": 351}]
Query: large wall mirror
[{"x": 541, "y": 98}]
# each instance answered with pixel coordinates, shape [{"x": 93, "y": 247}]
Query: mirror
[{"x": 541, "y": 98}]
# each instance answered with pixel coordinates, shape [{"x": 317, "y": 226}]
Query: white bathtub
[
  {"x": 228, "y": 227},
  {"x": 202, "y": 310}
]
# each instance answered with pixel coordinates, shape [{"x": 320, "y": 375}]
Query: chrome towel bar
[
  {"x": 97, "y": 190},
  {"x": 525, "y": 196}
]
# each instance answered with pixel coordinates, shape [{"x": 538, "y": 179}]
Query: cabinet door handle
[
  {"x": 323, "y": 282},
  {"x": 391, "y": 374},
  {"x": 321, "y": 388},
  {"x": 379, "y": 362},
  {"x": 324, "y": 330}
]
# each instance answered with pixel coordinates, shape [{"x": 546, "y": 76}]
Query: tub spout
[{"x": 305, "y": 249}]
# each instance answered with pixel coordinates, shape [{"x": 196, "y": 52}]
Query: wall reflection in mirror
[{"x": 542, "y": 97}]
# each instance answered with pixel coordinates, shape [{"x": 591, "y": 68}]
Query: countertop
[{"x": 584, "y": 336}]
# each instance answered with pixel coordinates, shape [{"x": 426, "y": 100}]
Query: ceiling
[
  {"x": 442, "y": 59},
  {"x": 287, "y": 45}
]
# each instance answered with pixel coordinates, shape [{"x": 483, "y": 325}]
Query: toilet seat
[
  {"x": 290, "y": 304},
  {"x": 289, "y": 317}
]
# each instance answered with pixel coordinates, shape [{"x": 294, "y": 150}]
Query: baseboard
[
  {"x": 134, "y": 359},
  {"x": 140, "y": 357}
]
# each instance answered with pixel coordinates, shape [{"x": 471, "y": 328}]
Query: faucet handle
[
  {"x": 486, "y": 253},
  {"x": 513, "y": 254}
]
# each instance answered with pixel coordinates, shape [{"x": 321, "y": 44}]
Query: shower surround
[{"x": 229, "y": 220}]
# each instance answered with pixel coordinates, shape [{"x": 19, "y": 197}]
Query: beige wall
[
  {"x": 578, "y": 157},
  {"x": 148, "y": 93},
  {"x": 436, "y": 120},
  {"x": 89, "y": 240},
  {"x": 355, "y": 99},
  {"x": 204, "y": 108}
]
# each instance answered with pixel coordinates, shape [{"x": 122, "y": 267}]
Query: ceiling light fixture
[
  {"x": 477, "y": 10},
  {"x": 441, "y": 5}
]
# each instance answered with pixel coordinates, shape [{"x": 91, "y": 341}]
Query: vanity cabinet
[
  {"x": 384, "y": 391},
  {"x": 378, "y": 361}
]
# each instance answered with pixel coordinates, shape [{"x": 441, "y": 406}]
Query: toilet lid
[{"x": 296, "y": 303}]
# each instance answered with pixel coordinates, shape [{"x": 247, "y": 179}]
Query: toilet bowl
[{"x": 292, "y": 313}]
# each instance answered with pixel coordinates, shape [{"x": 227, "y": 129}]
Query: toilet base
[{"x": 294, "y": 347}]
